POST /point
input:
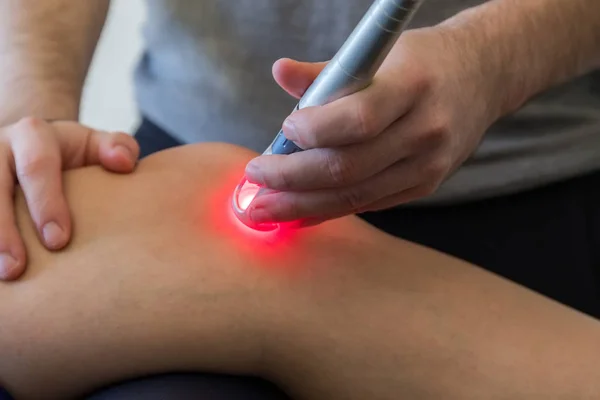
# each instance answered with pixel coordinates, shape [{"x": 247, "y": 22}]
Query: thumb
[
  {"x": 295, "y": 76},
  {"x": 81, "y": 146}
]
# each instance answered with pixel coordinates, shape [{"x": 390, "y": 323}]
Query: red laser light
[
  {"x": 243, "y": 196},
  {"x": 217, "y": 209}
]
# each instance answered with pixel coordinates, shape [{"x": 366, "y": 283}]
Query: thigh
[{"x": 545, "y": 239}]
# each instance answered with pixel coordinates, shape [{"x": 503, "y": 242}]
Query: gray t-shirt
[{"x": 206, "y": 76}]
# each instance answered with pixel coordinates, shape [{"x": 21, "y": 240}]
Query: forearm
[
  {"x": 45, "y": 51},
  {"x": 526, "y": 47}
]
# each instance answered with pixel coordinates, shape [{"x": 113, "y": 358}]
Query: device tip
[{"x": 243, "y": 195}]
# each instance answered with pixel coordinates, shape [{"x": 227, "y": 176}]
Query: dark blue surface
[
  {"x": 4, "y": 395},
  {"x": 192, "y": 387}
]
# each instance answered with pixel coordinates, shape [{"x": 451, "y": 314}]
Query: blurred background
[{"x": 108, "y": 98}]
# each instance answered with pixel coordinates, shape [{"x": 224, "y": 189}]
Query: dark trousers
[{"x": 546, "y": 239}]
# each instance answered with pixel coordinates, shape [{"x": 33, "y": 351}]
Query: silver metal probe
[
  {"x": 351, "y": 70},
  {"x": 355, "y": 64}
]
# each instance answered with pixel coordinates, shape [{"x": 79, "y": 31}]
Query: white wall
[{"x": 108, "y": 99}]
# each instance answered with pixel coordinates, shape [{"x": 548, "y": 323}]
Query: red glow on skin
[{"x": 272, "y": 247}]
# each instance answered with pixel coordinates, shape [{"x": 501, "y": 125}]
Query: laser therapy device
[{"x": 351, "y": 70}]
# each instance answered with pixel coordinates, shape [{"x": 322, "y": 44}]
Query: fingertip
[
  {"x": 281, "y": 64},
  {"x": 119, "y": 159},
  {"x": 260, "y": 209},
  {"x": 293, "y": 76},
  {"x": 11, "y": 267},
  {"x": 273, "y": 207},
  {"x": 132, "y": 144},
  {"x": 253, "y": 172},
  {"x": 121, "y": 154},
  {"x": 55, "y": 236},
  {"x": 275, "y": 69}
]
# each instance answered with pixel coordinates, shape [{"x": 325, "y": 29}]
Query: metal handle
[
  {"x": 371, "y": 41},
  {"x": 357, "y": 61}
]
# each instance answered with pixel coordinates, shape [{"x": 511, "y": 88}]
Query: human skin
[
  {"x": 160, "y": 278},
  {"x": 45, "y": 51},
  {"x": 446, "y": 73},
  {"x": 38, "y": 151},
  {"x": 427, "y": 109}
]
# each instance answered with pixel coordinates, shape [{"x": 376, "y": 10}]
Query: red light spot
[
  {"x": 243, "y": 195},
  {"x": 271, "y": 248}
]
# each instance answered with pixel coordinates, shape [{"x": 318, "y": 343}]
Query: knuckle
[
  {"x": 435, "y": 169},
  {"x": 33, "y": 164},
  {"x": 367, "y": 125},
  {"x": 424, "y": 80},
  {"x": 439, "y": 131},
  {"x": 29, "y": 124},
  {"x": 339, "y": 168},
  {"x": 351, "y": 199},
  {"x": 421, "y": 79}
]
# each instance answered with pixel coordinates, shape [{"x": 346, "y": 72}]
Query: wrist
[{"x": 29, "y": 93}]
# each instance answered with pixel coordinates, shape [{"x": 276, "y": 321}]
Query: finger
[
  {"x": 314, "y": 169},
  {"x": 332, "y": 203},
  {"x": 294, "y": 76},
  {"x": 38, "y": 169},
  {"x": 12, "y": 248},
  {"x": 326, "y": 168},
  {"x": 356, "y": 118},
  {"x": 81, "y": 145}
]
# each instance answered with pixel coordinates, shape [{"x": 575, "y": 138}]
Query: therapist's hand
[
  {"x": 394, "y": 142},
  {"x": 33, "y": 153}
]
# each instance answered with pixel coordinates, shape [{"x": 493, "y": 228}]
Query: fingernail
[
  {"x": 259, "y": 215},
  {"x": 289, "y": 129},
  {"x": 253, "y": 173},
  {"x": 123, "y": 150},
  {"x": 53, "y": 234},
  {"x": 8, "y": 264}
]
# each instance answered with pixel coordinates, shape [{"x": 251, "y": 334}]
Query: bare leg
[{"x": 158, "y": 279}]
